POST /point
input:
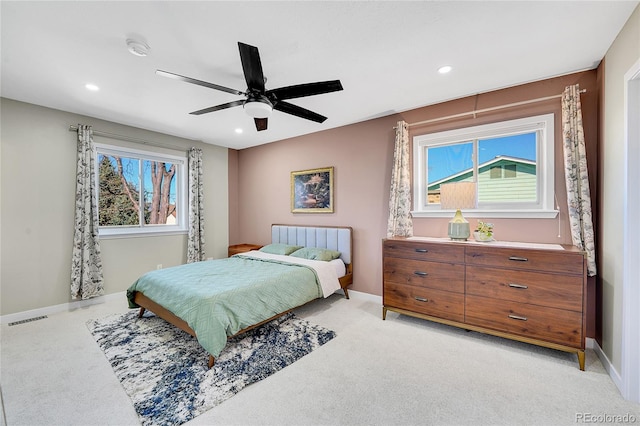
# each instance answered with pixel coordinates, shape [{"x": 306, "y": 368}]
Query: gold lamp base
[{"x": 459, "y": 227}]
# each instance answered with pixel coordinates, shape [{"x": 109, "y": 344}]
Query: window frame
[
  {"x": 180, "y": 160},
  {"x": 545, "y": 173}
]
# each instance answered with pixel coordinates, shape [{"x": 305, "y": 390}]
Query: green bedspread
[{"x": 218, "y": 298}]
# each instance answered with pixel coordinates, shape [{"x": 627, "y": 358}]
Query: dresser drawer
[
  {"x": 543, "y": 323},
  {"x": 562, "y": 292},
  {"x": 437, "y": 303},
  {"x": 424, "y": 251},
  {"x": 442, "y": 276},
  {"x": 557, "y": 261}
]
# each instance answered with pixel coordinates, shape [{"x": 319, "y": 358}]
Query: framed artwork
[{"x": 312, "y": 191}]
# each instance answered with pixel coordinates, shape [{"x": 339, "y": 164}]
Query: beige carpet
[{"x": 402, "y": 371}]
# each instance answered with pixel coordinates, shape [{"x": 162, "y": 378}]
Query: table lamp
[{"x": 458, "y": 195}]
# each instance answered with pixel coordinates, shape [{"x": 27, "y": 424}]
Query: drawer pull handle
[
  {"x": 518, "y": 317},
  {"x": 422, "y": 251},
  {"x": 421, "y": 274},
  {"x": 421, "y": 299},
  {"x": 518, "y": 259},
  {"x": 522, "y": 286}
]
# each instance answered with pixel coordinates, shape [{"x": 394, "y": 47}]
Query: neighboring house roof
[{"x": 467, "y": 173}]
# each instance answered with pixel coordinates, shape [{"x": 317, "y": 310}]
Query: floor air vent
[{"x": 28, "y": 320}]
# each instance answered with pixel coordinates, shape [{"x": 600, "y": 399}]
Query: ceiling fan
[{"x": 259, "y": 102}]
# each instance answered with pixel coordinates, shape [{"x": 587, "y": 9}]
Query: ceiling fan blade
[
  {"x": 218, "y": 107},
  {"x": 299, "y": 112},
  {"x": 261, "y": 123},
  {"x": 252, "y": 67},
  {"x": 308, "y": 89},
  {"x": 198, "y": 82}
]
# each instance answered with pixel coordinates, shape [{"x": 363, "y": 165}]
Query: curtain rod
[
  {"x": 73, "y": 128},
  {"x": 477, "y": 111}
]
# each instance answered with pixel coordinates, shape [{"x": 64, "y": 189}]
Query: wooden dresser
[{"x": 533, "y": 293}]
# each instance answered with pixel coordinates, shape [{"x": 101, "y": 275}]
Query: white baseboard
[
  {"x": 608, "y": 366},
  {"x": 56, "y": 309},
  {"x": 365, "y": 296}
]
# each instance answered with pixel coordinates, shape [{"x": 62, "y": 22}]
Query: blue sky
[{"x": 450, "y": 159}]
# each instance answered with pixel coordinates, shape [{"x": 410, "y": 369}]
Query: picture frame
[{"x": 312, "y": 191}]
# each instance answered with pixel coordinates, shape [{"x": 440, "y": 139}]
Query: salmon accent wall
[
  {"x": 531, "y": 230},
  {"x": 362, "y": 155}
]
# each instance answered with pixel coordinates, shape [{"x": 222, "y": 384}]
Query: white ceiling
[{"x": 386, "y": 55}]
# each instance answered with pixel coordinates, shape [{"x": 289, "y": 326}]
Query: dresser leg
[
  {"x": 581, "y": 359},
  {"x": 384, "y": 313}
]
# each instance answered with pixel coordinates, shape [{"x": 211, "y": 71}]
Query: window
[
  {"x": 511, "y": 162},
  {"x": 496, "y": 172},
  {"x": 510, "y": 170},
  {"x": 140, "y": 192}
]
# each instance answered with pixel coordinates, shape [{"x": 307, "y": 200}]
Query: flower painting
[{"x": 312, "y": 191}]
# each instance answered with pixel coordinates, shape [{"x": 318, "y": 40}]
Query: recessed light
[
  {"x": 445, "y": 69},
  {"x": 238, "y": 130},
  {"x": 92, "y": 87}
]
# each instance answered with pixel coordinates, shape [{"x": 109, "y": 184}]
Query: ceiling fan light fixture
[{"x": 258, "y": 108}]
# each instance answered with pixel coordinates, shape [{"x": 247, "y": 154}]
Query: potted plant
[{"x": 483, "y": 232}]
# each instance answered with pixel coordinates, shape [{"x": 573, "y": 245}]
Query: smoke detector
[{"x": 138, "y": 48}]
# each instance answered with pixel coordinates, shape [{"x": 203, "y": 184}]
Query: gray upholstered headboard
[{"x": 333, "y": 238}]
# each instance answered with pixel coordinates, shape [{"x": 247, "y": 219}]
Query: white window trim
[
  {"x": 545, "y": 165},
  {"x": 181, "y": 227},
  {"x": 629, "y": 384}
]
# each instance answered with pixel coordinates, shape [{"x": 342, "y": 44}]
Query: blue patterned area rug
[{"x": 164, "y": 370}]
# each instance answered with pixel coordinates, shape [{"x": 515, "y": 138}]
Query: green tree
[{"x": 118, "y": 199}]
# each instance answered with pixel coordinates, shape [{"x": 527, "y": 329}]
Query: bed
[{"x": 217, "y": 299}]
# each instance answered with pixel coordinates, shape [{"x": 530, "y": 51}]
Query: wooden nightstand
[{"x": 242, "y": 248}]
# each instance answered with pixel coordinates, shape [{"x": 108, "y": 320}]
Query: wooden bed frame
[{"x": 309, "y": 236}]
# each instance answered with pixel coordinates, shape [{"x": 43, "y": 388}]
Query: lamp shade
[{"x": 458, "y": 195}]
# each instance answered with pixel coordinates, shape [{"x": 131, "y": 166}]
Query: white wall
[
  {"x": 623, "y": 53},
  {"x": 37, "y": 177}
]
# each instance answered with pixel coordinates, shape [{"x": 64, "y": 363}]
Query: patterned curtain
[
  {"x": 400, "y": 224},
  {"x": 576, "y": 175},
  {"x": 86, "y": 263},
  {"x": 195, "y": 243}
]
